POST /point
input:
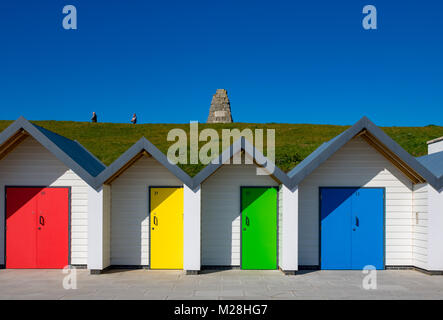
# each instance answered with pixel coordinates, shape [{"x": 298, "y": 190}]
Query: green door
[{"x": 259, "y": 228}]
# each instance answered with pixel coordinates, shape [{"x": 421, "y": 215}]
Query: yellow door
[{"x": 166, "y": 215}]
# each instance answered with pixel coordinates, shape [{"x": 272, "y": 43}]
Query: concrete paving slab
[{"x": 226, "y": 284}]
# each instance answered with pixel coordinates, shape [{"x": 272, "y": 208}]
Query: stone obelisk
[{"x": 220, "y": 111}]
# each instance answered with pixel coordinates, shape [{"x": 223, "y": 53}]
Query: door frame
[
  {"x": 6, "y": 187},
  {"x": 149, "y": 223},
  {"x": 319, "y": 220},
  {"x": 241, "y": 223}
]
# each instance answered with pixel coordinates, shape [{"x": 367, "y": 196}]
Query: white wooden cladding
[
  {"x": 130, "y": 211},
  {"x": 220, "y": 214}
]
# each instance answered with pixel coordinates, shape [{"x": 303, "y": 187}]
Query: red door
[
  {"x": 53, "y": 228},
  {"x": 21, "y": 222},
  {"x": 37, "y": 227}
]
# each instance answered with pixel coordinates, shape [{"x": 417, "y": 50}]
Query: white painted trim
[
  {"x": 289, "y": 254},
  {"x": 95, "y": 230},
  {"x": 435, "y": 229},
  {"x": 191, "y": 228},
  {"x": 435, "y": 146}
]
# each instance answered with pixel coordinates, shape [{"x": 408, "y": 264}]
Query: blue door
[
  {"x": 352, "y": 228},
  {"x": 367, "y": 228}
]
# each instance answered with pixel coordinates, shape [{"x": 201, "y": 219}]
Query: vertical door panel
[
  {"x": 53, "y": 228},
  {"x": 336, "y": 208},
  {"x": 352, "y": 228},
  {"x": 368, "y": 228},
  {"x": 21, "y": 221},
  {"x": 259, "y": 228},
  {"x": 166, "y": 221}
]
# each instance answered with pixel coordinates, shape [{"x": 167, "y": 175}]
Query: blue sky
[{"x": 281, "y": 61}]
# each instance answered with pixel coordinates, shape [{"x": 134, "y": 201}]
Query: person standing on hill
[
  {"x": 134, "y": 119},
  {"x": 94, "y": 117}
]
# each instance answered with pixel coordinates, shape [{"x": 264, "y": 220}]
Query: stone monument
[{"x": 220, "y": 111}]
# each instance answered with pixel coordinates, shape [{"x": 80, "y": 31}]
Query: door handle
[
  {"x": 247, "y": 221},
  {"x": 357, "y": 222},
  {"x": 41, "y": 220},
  {"x": 155, "y": 221}
]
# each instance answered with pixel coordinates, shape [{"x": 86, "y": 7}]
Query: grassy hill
[{"x": 294, "y": 142}]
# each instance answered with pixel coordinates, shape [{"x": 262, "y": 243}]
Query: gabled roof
[
  {"x": 95, "y": 173},
  {"x": 134, "y": 153},
  {"x": 434, "y": 163},
  {"x": 69, "y": 152},
  {"x": 241, "y": 145},
  {"x": 374, "y": 136}
]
